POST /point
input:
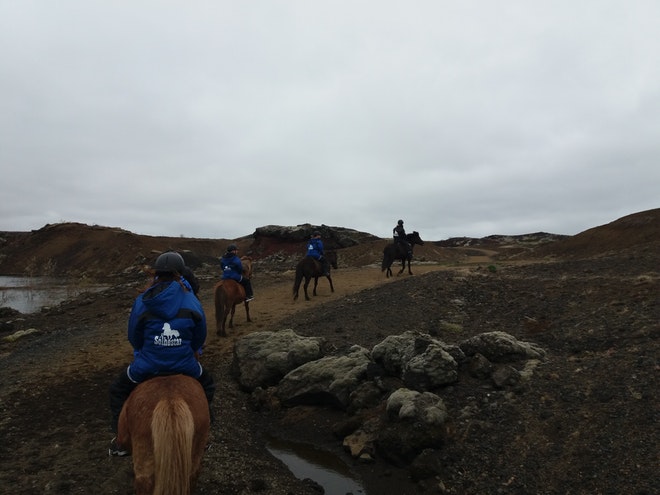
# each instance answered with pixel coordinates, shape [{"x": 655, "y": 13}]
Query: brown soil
[{"x": 585, "y": 423}]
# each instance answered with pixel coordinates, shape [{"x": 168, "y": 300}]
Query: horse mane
[
  {"x": 172, "y": 446},
  {"x": 247, "y": 266}
]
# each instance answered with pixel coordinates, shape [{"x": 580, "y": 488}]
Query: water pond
[
  {"x": 326, "y": 469},
  {"x": 30, "y": 294}
]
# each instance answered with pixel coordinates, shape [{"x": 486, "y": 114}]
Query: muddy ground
[{"x": 585, "y": 423}]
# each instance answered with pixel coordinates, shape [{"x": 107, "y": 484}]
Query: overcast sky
[{"x": 212, "y": 118}]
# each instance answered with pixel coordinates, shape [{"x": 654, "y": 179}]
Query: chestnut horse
[
  {"x": 165, "y": 424},
  {"x": 395, "y": 251},
  {"x": 226, "y": 295},
  {"x": 308, "y": 267}
]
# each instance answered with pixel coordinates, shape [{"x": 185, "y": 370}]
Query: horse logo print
[{"x": 169, "y": 338}]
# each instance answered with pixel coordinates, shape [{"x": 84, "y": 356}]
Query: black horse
[
  {"x": 308, "y": 267},
  {"x": 397, "y": 251}
]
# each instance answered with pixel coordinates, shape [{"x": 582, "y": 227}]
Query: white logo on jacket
[{"x": 169, "y": 338}]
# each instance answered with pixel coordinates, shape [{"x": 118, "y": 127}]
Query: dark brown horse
[
  {"x": 396, "y": 251},
  {"x": 308, "y": 267},
  {"x": 226, "y": 295},
  {"x": 165, "y": 424}
]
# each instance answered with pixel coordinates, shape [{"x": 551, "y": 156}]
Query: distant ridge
[{"x": 638, "y": 231}]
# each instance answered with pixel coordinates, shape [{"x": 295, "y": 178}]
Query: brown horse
[
  {"x": 165, "y": 424},
  {"x": 308, "y": 267},
  {"x": 226, "y": 295}
]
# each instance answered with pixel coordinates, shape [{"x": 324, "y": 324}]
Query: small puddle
[
  {"x": 30, "y": 294},
  {"x": 326, "y": 469}
]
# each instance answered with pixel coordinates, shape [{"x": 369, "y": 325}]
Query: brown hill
[
  {"x": 639, "y": 232},
  {"x": 74, "y": 249}
]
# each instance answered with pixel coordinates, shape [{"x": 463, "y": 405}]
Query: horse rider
[
  {"x": 167, "y": 329},
  {"x": 232, "y": 269},
  {"x": 399, "y": 234},
  {"x": 315, "y": 250}
]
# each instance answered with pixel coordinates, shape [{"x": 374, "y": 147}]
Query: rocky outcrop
[
  {"x": 262, "y": 359},
  {"x": 333, "y": 237},
  {"x": 329, "y": 380},
  {"x": 423, "y": 363},
  {"x": 390, "y": 391},
  {"x": 500, "y": 347}
]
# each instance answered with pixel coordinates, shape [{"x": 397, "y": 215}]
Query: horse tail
[
  {"x": 220, "y": 302},
  {"x": 172, "y": 430},
  {"x": 386, "y": 260},
  {"x": 298, "y": 281}
]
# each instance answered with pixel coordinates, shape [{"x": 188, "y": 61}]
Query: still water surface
[
  {"x": 30, "y": 294},
  {"x": 306, "y": 461}
]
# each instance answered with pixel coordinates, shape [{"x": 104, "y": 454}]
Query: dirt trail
[{"x": 274, "y": 300}]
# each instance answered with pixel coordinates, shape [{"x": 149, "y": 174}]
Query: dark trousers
[
  {"x": 247, "y": 285},
  {"x": 122, "y": 387}
]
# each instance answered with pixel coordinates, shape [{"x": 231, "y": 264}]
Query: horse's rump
[
  {"x": 165, "y": 423},
  {"x": 229, "y": 290}
]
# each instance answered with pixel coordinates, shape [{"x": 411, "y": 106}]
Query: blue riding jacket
[
  {"x": 232, "y": 267},
  {"x": 166, "y": 326},
  {"x": 315, "y": 248}
]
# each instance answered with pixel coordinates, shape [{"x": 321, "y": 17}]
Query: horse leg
[
  {"x": 221, "y": 313},
  {"x": 143, "y": 469},
  {"x": 403, "y": 267},
  {"x": 218, "y": 310},
  {"x": 247, "y": 310},
  {"x": 296, "y": 284},
  {"x": 388, "y": 269},
  {"x": 409, "y": 270},
  {"x": 307, "y": 280},
  {"x": 222, "y": 330},
  {"x": 332, "y": 288},
  {"x": 316, "y": 283},
  {"x": 231, "y": 315}
]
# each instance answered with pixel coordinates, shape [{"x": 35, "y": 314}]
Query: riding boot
[
  {"x": 207, "y": 383},
  {"x": 120, "y": 389}
]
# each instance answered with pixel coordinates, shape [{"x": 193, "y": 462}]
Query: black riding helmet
[
  {"x": 232, "y": 247},
  {"x": 400, "y": 222},
  {"x": 169, "y": 262}
]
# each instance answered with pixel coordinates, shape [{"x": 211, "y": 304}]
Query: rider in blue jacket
[
  {"x": 232, "y": 269},
  {"x": 315, "y": 250},
  {"x": 167, "y": 329}
]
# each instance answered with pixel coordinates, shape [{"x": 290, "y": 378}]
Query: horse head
[
  {"x": 246, "y": 261},
  {"x": 414, "y": 238},
  {"x": 331, "y": 256}
]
